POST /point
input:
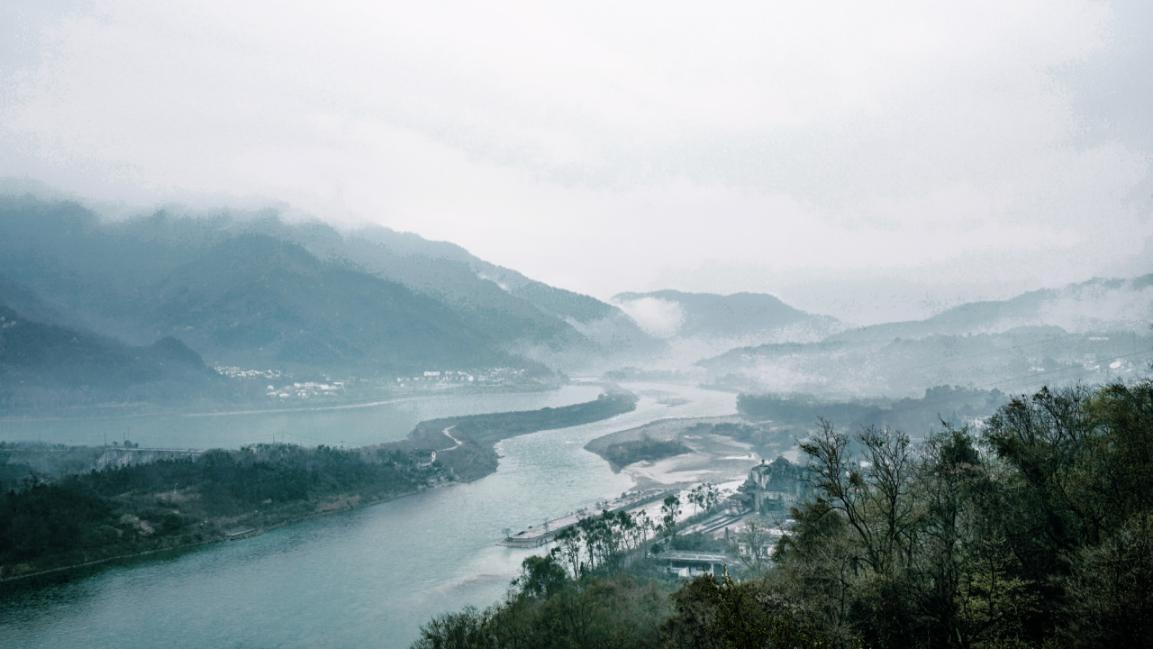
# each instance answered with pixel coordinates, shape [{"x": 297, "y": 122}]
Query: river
[
  {"x": 367, "y": 578},
  {"x": 357, "y": 424}
]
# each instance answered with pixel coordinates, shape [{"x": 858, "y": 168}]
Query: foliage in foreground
[
  {"x": 1036, "y": 531},
  {"x": 626, "y": 610}
]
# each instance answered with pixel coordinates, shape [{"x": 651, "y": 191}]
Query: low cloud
[
  {"x": 788, "y": 139},
  {"x": 660, "y": 318}
]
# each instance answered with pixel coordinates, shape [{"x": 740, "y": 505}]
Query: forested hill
[
  {"x": 44, "y": 365},
  {"x": 257, "y": 301},
  {"x": 1034, "y": 532},
  {"x": 255, "y": 290}
]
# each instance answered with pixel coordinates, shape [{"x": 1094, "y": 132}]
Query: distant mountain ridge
[
  {"x": 1090, "y": 331},
  {"x": 737, "y": 316},
  {"x": 1099, "y": 304},
  {"x": 535, "y": 319}
]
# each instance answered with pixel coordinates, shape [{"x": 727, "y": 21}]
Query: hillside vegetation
[
  {"x": 1036, "y": 531},
  {"x": 254, "y": 291},
  {"x": 801, "y": 413},
  {"x": 43, "y": 365}
]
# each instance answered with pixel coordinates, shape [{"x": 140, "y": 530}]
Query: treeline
[
  {"x": 1034, "y": 531},
  {"x": 955, "y": 405},
  {"x": 171, "y": 503},
  {"x": 646, "y": 449},
  {"x": 493, "y": 427},
  {"x": 23, "y": 463}
]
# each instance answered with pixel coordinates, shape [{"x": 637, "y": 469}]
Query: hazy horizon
[{"x": 869, "y": 165}]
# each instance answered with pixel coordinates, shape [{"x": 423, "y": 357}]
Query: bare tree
[{"x": 873, "y": 496}]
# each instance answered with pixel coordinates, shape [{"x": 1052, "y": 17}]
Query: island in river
[
  {"x": 684, "y": 451},
  {"x": 466, "y": 445},
  {"x": 89, "y": 518}
]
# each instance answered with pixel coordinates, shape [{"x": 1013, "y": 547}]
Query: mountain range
[
  {"x": 258, "y": 291},
  {"x": 114, "y": 310},
  {"x": 1091, "y": 331},
  {"x": 1099, "y": 304}
]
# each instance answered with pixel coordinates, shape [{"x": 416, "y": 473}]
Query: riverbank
[
  {"x": 367, "y": 577},
  {"x": 89, "y": 517},
  {"x": 173, "y": 505},
  {"x": 31, "y": 578}
]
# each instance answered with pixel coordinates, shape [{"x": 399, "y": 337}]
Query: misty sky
[{"x": 878, "y": 159}]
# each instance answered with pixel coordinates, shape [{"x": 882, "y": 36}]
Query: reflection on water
[{"x": 366, "y": 578}]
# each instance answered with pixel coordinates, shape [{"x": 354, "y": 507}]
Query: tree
[
  {"x": 817, "y": 563},
  {"x": 713, "y": 613},
  {"x": 756, "y": 543},
  {"x": 645, "y": 527},
  {"x": 704, "y": 497},
  {"x": 670, "y": 511},
  {"x": 541, "y": 576},
  {"x": 1111, "y": 602},
  {"x": 569, "y": 549},
  {"x": 697, "y": 498},
  {"x": 463, "y": 630},
  {"x": 873, "y": 495},
  {"x": 712, "y": 496}
]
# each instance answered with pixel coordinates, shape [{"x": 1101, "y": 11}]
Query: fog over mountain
[
  {"x": 1091, "y": 331},
  {"x": 700, "y": 325},
  {"x": 1094, "y": 305},
  {"x": 671, "y": 313},
  {"x": 869, "y": 165},
  {"x": 261, "y": 291},
  {"x": 257, "y": 291}
]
